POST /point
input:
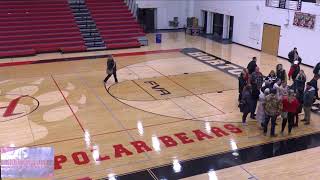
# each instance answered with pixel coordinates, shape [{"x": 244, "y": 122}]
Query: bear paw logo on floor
[{"x": 19, "y": 104}]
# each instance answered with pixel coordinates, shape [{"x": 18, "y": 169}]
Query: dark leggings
[
  {"x": 109, "y": 75},
  {"x": 290, "y": 120},
  {"x": 244, "y": 116}
]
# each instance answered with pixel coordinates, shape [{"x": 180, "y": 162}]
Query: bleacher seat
[
  {"x": 116, "y": 23},
  {"x": 28, "y": 27}
]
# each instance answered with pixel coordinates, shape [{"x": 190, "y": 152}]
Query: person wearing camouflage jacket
[{"x": 273, "y": 108}]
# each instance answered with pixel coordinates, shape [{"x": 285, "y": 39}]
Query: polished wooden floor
[{"x": 80, "y": 117}]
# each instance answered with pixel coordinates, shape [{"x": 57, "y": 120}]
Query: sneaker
[
  {"x": 306, "y": 123},
  {"x": 264, "y": 133},
  {"x": 274, "y": 135},
  {"x": 303, "y": 120},
  {"x": 244, "y": 124}
]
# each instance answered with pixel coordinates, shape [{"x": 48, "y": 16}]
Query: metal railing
[{"x": 133, "y": 6}]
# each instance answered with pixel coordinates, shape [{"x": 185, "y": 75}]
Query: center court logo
[{"x": 17, "y": 108}]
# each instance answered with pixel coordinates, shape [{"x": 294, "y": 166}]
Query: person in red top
[
  {"x": 290, "y": 106},
  {"x": 294, "y": 70}
]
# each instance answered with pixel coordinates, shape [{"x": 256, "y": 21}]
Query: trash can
[{"x": 158, "y": 38}]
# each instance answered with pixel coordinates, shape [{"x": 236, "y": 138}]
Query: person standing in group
[
  {"x": 294, "y": 70},
  {"x": 272, "y": 76},
  {"x": 252, "y": 65},
  {"x": 299, "y": 96},
  {"x": 298, "y": 87},
  {"x": 242, "y": 83},
  {"x": 111, "y": 69},
  {"x": 290, "y": 107},
  {"x": 273, "y": 108},
  {"x": 246, "y": 103},
  {"x": 299, "y": 82},
  {"x": 294, "y": 55},
  {"x": 308, "y": 99},
  {"x": 316, "y": 70},
  {"x": 255, "y": 92},
  {"x": 277, "y": 86},
  {"x": 314, "y": 84},
  {"x": 267, "y": 84},
  {"x": 257, "y": 78},
  {"x": 283, "y": 90},
  {"x": 281, "y": 73},
  {"x": 260, "y": 110}
]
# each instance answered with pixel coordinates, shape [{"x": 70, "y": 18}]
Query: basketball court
[{"x": 172, "y": 115}]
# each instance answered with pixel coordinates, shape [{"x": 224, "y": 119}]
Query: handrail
[{"x": 133, "y": 6}]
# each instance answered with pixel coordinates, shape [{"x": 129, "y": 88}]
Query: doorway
[
  {"x": 231, "y": 27},
  {"x": 146, "y": 18},
  {"x": 270, "y": 39},
  {"x": 217, "y": 25},
  {"x": 204, "y": 20}
]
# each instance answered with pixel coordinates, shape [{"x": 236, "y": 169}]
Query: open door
[
  {"x": 270, "y": 39},
  {"x": 146, "y": 18},
  {"x": 204, "y": 20}
]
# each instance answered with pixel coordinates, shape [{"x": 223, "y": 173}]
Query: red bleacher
[
  {"x": 28, "y": 27},
  {"x": 115, "y": 22}
]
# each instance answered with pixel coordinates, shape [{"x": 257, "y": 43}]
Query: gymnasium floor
[{"x": 171, "y": 116}]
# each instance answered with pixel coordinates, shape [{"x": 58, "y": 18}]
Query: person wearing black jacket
[
  {"x": 111, "y": 70},
  {"x": 294, "y": 56},
  {"x": 252, "y": 65},
  {"x": 247, "y": 103},
  {"x": 255, "y": 97},
  {"x": 281, "y": 73},
  {"x": 314, "y": 84},
  {"x": 316, "y": 70},
  {"x": 242, "y": 83}
]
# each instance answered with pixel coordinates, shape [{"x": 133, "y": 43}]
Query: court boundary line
[
  {"x": 43, "y": 61},
  {"x": 65, "y": 99}
]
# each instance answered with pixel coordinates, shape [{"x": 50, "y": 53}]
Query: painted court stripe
[
  {"x": 146, "y": 52},
  {"x": 11, "y": 107},
  {"x": 86, "y": 57},
  {"x": 74, "y": 114}
]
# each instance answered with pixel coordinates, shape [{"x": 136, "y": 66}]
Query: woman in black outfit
[
  {"x": 247, "y": 103},
  {"x": 281, "y": 73},
  {"x": 111, "y": 70},
  {"x": 242, "y": 83}
]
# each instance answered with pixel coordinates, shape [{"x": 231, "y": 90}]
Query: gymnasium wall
[
  {"x": 167, "y": 10},
  {"x": 249, "y": 16}
]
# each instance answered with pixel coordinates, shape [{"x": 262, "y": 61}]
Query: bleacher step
[
  {"x": 96, "y": 48},
  {"x": 86, "y": 25}
]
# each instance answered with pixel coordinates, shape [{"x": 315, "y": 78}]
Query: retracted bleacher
[
  {"x": 116, "y": 23},
  {"x": 28, "y": 27}
]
